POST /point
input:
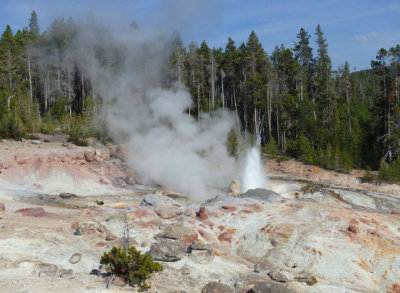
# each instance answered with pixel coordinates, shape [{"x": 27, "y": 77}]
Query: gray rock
[
  {"x": 201, "y": 256},
  {"x": 35, "y": 141},
  {"x": 235, "y": 188},
  {"x": 173, "y": 232},
  {"x": 201, "y": 253},
  {"x": 262, "y": 194},
  {"x": 110, "y": 237},
  {"x": 277, "y": 276},
  {"x": 215, "y": 287},
  {"x": 75, "y": 258},
  {"x": 67, "y": 195},
  {"x": 65, "y": 273},
  {"x": 82, "y": 228},
  {"x": 46, "y": 269},
  {"x": 196, "y": 245},
  {"x": 158, "y": 201},
  {"x": 270, "y": 287},
  {"x": 168, "y": 250}
]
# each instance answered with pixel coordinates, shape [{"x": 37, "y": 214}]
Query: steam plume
[{"x": 167, "y": 145}]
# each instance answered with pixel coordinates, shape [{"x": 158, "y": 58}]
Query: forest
[{"x": 291, "y": 98}]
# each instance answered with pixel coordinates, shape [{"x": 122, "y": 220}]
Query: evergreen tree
[{"x": 33, "y": 24}]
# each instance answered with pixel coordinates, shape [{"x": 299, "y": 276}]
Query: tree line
[{"x": 292, "y": 100}]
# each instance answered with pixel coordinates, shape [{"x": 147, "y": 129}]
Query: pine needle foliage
[{"x": 131, "y": 265}]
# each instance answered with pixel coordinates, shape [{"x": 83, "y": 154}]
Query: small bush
[
  {"x": 368, "y": 177},
  {"x": 383, "y": 174},
  {"x": 232, "y": 143},
  {"x": 131, "y": 265},
  {"x": 389, "y": 172},
  {"x": 271, "y": 148}
]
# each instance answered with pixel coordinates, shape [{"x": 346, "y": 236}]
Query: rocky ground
[
  {"x": 296, "y": 169},
  {"x": 312, "y": 237}
]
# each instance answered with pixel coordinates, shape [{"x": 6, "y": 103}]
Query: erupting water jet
[{"x": 253, "y": 174}]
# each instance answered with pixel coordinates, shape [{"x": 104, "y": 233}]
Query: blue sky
[{"x": 355, "y": 29}]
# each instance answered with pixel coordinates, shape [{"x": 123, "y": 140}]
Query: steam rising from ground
[{"x": 167, "y": 145}]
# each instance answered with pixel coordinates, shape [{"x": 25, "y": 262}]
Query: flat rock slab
[
  {"x": 168, "y": 250},
  {"x": 216, "y": 287},
  {"x": 262, "y": 194},
  {"x": 270, "y": 287},
  {"x": 34, "y": 212},
  {"x": 177, "y": 232},
  {"x": 158, "y": 201}
]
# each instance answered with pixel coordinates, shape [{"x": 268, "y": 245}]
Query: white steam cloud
[{"x": 167, "y": 145}]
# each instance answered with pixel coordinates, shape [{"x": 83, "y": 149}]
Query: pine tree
[{"x": 33, "y": 24}]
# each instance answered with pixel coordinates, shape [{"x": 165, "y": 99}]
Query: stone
[
  {"x": 110, "y": 237},
  {"x": 201, "y": 253},
  {"x": 270, "y": 287},
  {"x": 46, "y": 269},
  {"x": 90, "y": 156},
  {"x": 277, "y": 276},
  {"x": 262, "y": 194},
  {"x": 2, "y": 207},
  {"x": 82, "y": 228},
  {"x": 216, "y": 287},
  {"x": 65, "y": 273},
  {"x": 202, "y": 214},
  {"x": 177, "y": 232},
  {"x": 34, "y": 212},
  {"x": 196, "y": 245},
  {"x": 168, "y": 250},
  {"x": 75, "y": 258},
  {"x": 66, "y": 195},
  {"x": 157, "y": 200},
  {"x": 235, "y": 188},
  {"x": 202, "y": 256},
  {"x": 167, "y": 212},
  {"x": 354, "y": 226},
  {"x": 35, "y": 141}
]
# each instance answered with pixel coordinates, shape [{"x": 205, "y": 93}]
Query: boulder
[
  {"x": 158, "y": 201},
  {"x": 167, "y": 212},
  {"x": 66, "y": 195},
  {"x": 82, "y": 228},
  {"x": 75, "y": 258},
  {"x": 65, "y": 273},
  {"x": 202, "y": 256},
  {"x": 176, "y": 232},
  {"x": 89, "y": 156},
  {"x": 262, "y": 194},
  {"x": 277, "y": 276},
  {"x": 235, "y": 188},
  {"x": 216, "y": 287},
  {"x": 46, "y": 269},
  {"x": 34, "y": 212},
  {"x": 168, "y": 250},
  {"x": 270, "y": 287}
]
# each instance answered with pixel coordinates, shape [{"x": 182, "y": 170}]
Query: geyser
[{"x": 253, "y": 173}]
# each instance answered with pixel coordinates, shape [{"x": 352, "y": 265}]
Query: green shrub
[
  {"x": 78, "y": 131},
  {"x": 301, "y": 149},
  {"x": 394, "y": 170},
  {"x": 232, "y": 143},
  {"x": 389, "y": 172},
  {"x": 131, "y": 265},
  {"x": 271, "y": 148},
  {"x": 368, "y": 177},
  {"x": 383, "y": 174}
]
